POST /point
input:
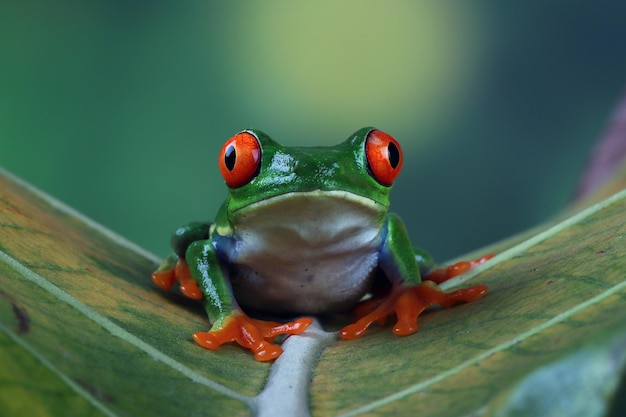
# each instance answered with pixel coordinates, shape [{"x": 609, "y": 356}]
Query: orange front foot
[
  {"x": 252, "y": 334},
  {"x": 407, "y": 303},
  {"x": 169, "y": 273},
  {"x": 443, "y": 274}
]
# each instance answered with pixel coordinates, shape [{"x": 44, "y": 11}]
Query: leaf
[
  {"x": 84, "y": 332},
  {"x": 586, "y": 375},
  {"x": 78, "y": 299},
  {"x": 559, "y": 290}
]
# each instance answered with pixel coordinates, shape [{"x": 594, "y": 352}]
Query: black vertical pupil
[
  {"x": 394, "y": 154},
  {"x": 230, "y": 156}
]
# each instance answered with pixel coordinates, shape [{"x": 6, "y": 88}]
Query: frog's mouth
[{"x": 306, "y": 201}]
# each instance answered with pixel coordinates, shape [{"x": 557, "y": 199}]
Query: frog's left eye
[
  {"x": 384, "y": 157},
  {"x": 240, "y": 159}
]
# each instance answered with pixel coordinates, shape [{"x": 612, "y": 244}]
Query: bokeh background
[{"x": 119, "y": 108}]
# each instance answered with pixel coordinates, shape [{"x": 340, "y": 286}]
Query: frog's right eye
[{"x": 240, "y": 159}]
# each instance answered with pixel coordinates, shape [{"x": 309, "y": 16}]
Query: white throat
[{"x": 306, "y": 252}]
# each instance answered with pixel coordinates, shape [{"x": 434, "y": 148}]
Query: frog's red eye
[
  {"x": 384, "y": 157},
  {"x": 240, "y": 159}
]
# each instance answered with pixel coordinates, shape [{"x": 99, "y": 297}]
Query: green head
[{"x": 257, "y": 168}]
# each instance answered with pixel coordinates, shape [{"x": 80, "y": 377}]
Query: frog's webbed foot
[
  {"x": 252, "y": 334},
  {"x": 440, "y": 275},
  {"x": 407, "y": 303},
  {"x": 175, "y": 269}
]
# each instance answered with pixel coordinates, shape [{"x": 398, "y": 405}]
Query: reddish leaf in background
[{"x": 608, "y": 155}]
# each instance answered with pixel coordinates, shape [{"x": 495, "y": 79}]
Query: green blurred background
[{"x": 119, "y": 108}]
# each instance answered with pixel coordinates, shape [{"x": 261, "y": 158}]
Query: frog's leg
[
  {"x": 174, "y": 268},
  {"x": 409, "y": 296},
  {"x": 229, "y": 323}
]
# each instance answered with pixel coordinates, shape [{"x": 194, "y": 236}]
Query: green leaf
[
  {"x": 586, "y": 376},
  {"x": 79, "y": 300},
  {"x": 559, "y": 290},
  {"x": 84, "y": 332}
]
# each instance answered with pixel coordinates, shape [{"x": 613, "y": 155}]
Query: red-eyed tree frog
[{"x": 306, "y": 231}]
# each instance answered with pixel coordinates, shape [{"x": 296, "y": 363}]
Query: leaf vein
[
  {"x": 503, "y": 346},
  {"x": 116, "y": 330},
  {"x": 72, "y": 384},
  {"x": 504, "y": 256},
  {"x": 521, "y": 247}
]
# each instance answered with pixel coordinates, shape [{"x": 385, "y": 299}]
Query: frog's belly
[
  {"x": 306, "y": 283},
  {"x": 307, "y": 258}
]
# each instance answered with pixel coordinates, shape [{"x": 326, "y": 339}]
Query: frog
[{"x": 306, "y": 232}]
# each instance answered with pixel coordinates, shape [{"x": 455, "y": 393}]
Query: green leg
[
  {"x": 229, "y": 323},
  {"x": 187, "y": 234},
  {"x": 174, "y": 268},
  {"x": 409, "y": 295},
  {"x": 397, "y": 258},
  {"x": 206, "y": 270}
]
